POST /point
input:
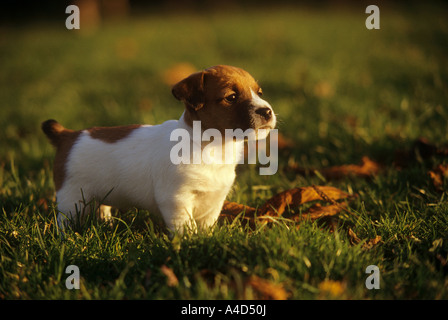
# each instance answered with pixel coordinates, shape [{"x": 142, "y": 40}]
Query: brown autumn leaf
[
  {"x": 267, "y": 289},
  {"x": 369, "y": 244},
  {"x": 263, "y": 288},
  {"x": 331, "y": 289},
  {"x": 442, "y": 260},
  {"x": 231, "y": 210},
  {"x": 354, "y": 240},
  {"x": 277, "y": 205},
  {"x": 43, "y": 203},
  {"x": 366, "y": 169},
  {"x": 171, "y": 278},
  {"x": 318, "y": 211},
  {"x": 292, "y": 198},
  {"x": 234, "y": 209},
  {"x": 438, "y": 175}
]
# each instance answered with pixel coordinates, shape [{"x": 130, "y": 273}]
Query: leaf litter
[
  {"x": 330, "y": 201},
  {"x": 287, "y": 203}
]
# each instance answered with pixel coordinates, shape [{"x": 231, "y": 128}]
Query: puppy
[{"x": 130, "y": 166}]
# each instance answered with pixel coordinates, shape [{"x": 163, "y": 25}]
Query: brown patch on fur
[
  {"x": 112, "y": 134},
  {"x": 63, "y": 139},
  {"x": 191, "y": 91},
  {"x": 60, "y": 160}
]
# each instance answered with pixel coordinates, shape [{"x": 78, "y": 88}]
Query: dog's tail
[{"x": 53, "y": 131}]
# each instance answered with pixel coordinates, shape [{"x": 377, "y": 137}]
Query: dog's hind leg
[
  {"x": 74, "y": 208},
  {"x": 105, "y": 213}
]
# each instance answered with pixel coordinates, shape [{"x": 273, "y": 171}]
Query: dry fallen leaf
[
  {"x": 43, "y": 203},
  {"x": 442, "y": 260},
  {"x": 438, "y": 175},
  {"x": 277, "y": 205},
  {"x": 331, "y": 288},
  {"x": 354, "y": 240},
  {"x": 318, "y": 211},
  {"x": 367, "y": 168},
  {"x": 292, "y": 198},
  {"x": 371, "y": 243},
  {"x": 353, "y": 237},
  {"x": 231, "y": 210},
  {"x": 234, "y": 209},
  {"x": 267, "y": 289},
  {"x": 171, "y": 278}
]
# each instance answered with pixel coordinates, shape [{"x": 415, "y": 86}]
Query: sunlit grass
[{"x": 340, "y": 91}]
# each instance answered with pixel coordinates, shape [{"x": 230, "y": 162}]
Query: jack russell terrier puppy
[{"x": 129, "y": 166}]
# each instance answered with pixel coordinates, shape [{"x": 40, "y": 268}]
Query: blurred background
[{"x": 340, "y": 90}]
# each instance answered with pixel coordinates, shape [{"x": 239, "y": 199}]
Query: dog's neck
[{"x": 233, "y": 148}]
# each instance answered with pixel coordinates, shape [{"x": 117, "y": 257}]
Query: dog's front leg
[{"x": 178, "y": 216}]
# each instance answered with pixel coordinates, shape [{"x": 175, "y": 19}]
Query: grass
[{"x": 341, "y": 92}]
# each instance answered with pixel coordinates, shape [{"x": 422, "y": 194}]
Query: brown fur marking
[
  {"x": 64, "y": 139},
  {"x": 68, "y": 138},
  {"x": 112, "y": 134}
]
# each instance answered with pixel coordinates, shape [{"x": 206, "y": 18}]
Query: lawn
[{"x": 342, "y": 93}]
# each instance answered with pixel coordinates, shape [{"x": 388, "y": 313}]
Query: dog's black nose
[{"x": 266, "y": 113}]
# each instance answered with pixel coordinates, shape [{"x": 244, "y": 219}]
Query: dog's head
[{"x": 224, "y": 97}]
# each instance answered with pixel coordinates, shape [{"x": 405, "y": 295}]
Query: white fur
[
  {"x": 258, "y": 103},
  {"x": 136, "y": 171}
]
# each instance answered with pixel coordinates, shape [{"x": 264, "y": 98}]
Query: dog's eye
[
  {"x": 260, "y": 92},
  {"x": 231, "y": 98}
]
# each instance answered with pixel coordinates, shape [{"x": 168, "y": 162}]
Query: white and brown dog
[{"x": 129, "y": 166}]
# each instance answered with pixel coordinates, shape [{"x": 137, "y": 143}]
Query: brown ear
[{"x": 191, "y": 90}]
